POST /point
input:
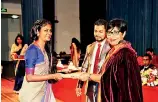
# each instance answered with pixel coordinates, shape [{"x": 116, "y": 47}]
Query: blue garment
[{"x": 33, "y": 56}]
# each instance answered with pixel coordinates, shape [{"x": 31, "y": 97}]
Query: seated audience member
[
  {"x": 147, "y": 59},
  {"x": 64, "y": 58},
  {"x": 154, "y": 57},
  {"x": 62, "y": 53}
]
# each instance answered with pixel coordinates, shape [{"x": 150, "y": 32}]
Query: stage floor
[
  {"x": 64, "y": 91},
  {"x": 7, "y": 94}
]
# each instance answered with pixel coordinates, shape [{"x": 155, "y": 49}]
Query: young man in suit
[{"x": 94, "y": 58}]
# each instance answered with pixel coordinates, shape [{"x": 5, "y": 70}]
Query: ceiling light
[{"x": 15, "y": 16}]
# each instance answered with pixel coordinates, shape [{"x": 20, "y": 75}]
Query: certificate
[{"x": 72, "y": 75}]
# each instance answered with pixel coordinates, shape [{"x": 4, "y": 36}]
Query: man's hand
[{"x": 78, "y": 92}]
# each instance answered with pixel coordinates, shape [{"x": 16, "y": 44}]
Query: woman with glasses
[{"x": 121, "y": 81}]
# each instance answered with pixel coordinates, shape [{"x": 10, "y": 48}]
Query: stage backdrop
[
  {"x": 142, "y": 18},
  {"x": 31, "y": 11}
]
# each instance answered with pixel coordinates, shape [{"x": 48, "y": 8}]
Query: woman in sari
[
  {"x": 18, "y": 48},
  {"x": 35, "y": 87}
]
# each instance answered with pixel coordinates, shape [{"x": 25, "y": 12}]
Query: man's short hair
[
  {"x": 150, "y": 49},
  {"x": 148, "y": 55},
  {"x": 101, "y": 22}
]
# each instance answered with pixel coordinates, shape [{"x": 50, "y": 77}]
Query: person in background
[
  {"x": 120, "y": 73},
  {"x": 75, "y": 49},
  {"x": 35, "y": 87},
  {"x": 17, "y": 46},
  {"x": 17, "y": 49},
  {"x": 154, "y": 57},
  {"x": 147, "y": 63}
]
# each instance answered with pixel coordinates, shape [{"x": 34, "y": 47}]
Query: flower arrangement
[{"x": 149, "y": 77}]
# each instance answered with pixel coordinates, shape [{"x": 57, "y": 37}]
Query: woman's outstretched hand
[{"x": 57, "y": 76}]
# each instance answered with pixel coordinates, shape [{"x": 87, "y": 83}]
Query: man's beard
[{"x": 99, "y": 40}]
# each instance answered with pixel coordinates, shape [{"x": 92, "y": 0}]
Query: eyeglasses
[
  {"x": 145, "y": 59},
  {"x": 109, "y": 33}
]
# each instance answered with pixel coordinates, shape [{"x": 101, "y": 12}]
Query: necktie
[{"x": 97, "y": 59}]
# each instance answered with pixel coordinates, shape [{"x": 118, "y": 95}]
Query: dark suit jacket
[{"x": 150, "y": 66}]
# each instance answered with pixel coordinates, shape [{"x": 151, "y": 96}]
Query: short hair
[
  {"x": 148, "y": 55},
  {"x": 101, "y": 22},
  {"x": 21, "y": 37},
  {"x": 119, "y": 23},
  {"x": 150, "y": 49},
  {"x": 37, "y": 27}
]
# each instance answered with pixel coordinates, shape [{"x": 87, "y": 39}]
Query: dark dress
[{"x": 20, "y": 73}]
